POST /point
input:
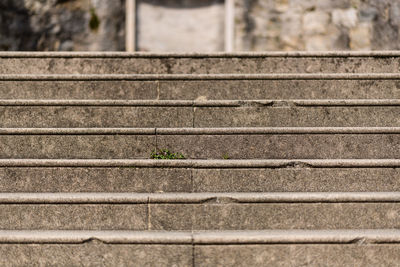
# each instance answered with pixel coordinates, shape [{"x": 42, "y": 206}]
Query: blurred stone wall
[
  {"x": 260, "y": 25},
  {"x": 317, "y": 25},
  {"x": 62, "y": 25}
]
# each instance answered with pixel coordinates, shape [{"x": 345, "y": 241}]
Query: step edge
[
  {"x": 198, "y": 198},
  {"x": 199, "y": 77},
  {"x": 204, "y": 163},
  {"x": 198, "y": 131},
  {"x": 384, "y": 53},
  {"x": 362, "y": 236}
]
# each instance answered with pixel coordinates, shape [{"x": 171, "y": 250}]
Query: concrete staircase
[{"x": 293, "y": 159}]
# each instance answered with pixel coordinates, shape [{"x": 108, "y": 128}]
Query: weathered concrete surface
[
  {"x": 204, "y": 180},
  {"x": 202, "y": 90},
  {"x": 95, "y": 180},
  {"x": 76, "y": 146},
  {"x": 78, "y": 90},
  {"x": 274, "y": 89},
  {"x": 311, "y": 216},
  {"x": 297, "y": 180},
  {"x": 78, "y": 116},
  {"x": 73, "y": 217},
  {"x": 195, "y": 65},
  {"x": 295, "y": 255},
  {"x": 267, "y": 116},
  {"x": 297, "y": 116},
  {"x": 289, "y": 146},
  {"x": 95, "y": 254}
]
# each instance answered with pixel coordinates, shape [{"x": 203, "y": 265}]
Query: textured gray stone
[
  {"x": 30, "y": 25},
  {"x": 75, "y": 116},
  {"x": 259, "y": 216},
  {"x": 78, "y": 90},
  {"x": 73, "y": 217},
  {"x": 76, "y": 146},
  {"x": 274, "y": 89},
  {"x": 95, "y": 180},
  {"x": 295, "y": 255},
  {"x": 279, "y": 146},
  {"x": 297, "y": 180},
  {"x": 195, "y": 65},
  {"x": 202, "y": 90},
  {"x": 95, "y": 254},
  {"x": 297, "y": 116},
  {"x": 171, "y": 217}
]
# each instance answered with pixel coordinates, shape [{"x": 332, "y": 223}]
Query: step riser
[
  {"x": 61, "y": 117},
  {"x": 264, "y": 146},
  {"x": 95, "y": 254},
  {"x": 152, "y": 180},
  {"x": 295, "y": 255},
  {"x": 296, "y": 180},
  {"x": 259, "y": 216},
  {"x": 197, "y": 65},
  {"x": 78, "y": 116},
  {"x": 209, "y": 255},
  {"x": 78, "y": 90},
  {"x": 206, "y": 89},
  {"x": 95, "y": 180},
  {"x": 77, "y": 146},
  {"x": 312, "y": 146},
  {"x": 297, "y": 117},
  {"x": 274, "y": 216},
  {"x": 74, "y": 217}
]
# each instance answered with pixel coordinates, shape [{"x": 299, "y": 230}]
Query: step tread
[
  {"x": 204, "y": 163},
  {"x": 188, "y": 198},
  {"x": 387, "y": 53},
  {"x": 202, "y": 103},
  {"x": 178, "y": 77},
  {"x": 199, "y": 131},
  {"x": 222, "y": 237}
]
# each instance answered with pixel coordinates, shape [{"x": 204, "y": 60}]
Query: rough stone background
[
  {"x": 59, "y": 25},
  {"x": 317, "y": 25},
  {"x": 62, "y": 25}
]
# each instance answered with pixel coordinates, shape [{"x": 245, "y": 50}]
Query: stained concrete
[
  {"x": 196, "y": 65},
  {"x": 311, "y": 216},
  {"x": 129, "y": 179}
]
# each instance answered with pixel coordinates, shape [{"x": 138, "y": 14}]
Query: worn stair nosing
[
  {"x": 388, "y": 53},
  {"x": 177, "y": 77},
  {"x": 202, "y": 103},
  {"x": 197, "y": 198},
  {"x": 277, "y": 130},
  {"x": 358, "y": 237},
  {"x": 204, "y": 163},
  {"x": 200, "y": 131}
]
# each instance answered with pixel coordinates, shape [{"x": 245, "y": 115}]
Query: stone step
[
  {"x": 282, "y": 143},
  {"x": 27, "y": 175},
  {"x": 201, "y": 143},
  {"x": 199, "y": 211},
  {"x": 264, "y": 62},
  {"x": 202, "y": 87},
  {"x": 206, "y": 248},
  {"x": 188, "y": 113}
]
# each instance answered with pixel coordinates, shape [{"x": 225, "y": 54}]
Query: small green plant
[
  {"x": 166, "y": 154},
  {"x": 94, "y": 21},
  {"x": 225, "y": 156}
]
